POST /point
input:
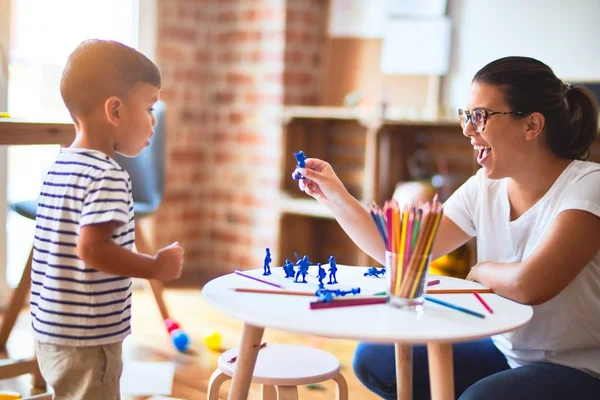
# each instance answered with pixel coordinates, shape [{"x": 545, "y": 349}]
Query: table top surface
[{"x": 375, "y": 323}]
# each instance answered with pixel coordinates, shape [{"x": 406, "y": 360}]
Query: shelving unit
[{"x": 369, "y": 155}]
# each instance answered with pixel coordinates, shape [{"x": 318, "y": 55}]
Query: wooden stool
[{"x": 280, "y": 368}]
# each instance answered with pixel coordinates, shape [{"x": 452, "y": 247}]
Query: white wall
[{"x": 563, "y": 34}]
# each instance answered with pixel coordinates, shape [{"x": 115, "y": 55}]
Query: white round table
[{"x": 437, "y": 326}]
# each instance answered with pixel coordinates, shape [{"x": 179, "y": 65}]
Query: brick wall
[{"x": 228, "y": 68}]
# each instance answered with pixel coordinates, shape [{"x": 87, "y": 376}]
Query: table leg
[
  {"x": 441, "y": 374},
  {"x": 242, "y": 376},
  {"x": 404, "y": 367},
  {"x": 17, "y": 302}
]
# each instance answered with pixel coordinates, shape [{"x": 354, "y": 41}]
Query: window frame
[{"x": 147, "y": 26}]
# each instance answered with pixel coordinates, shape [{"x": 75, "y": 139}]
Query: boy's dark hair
[
  {"x": 571, "y": 112},
  {"x": 98, "y": 69}
]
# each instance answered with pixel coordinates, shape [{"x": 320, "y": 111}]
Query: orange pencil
[{"x": 273, "y": 291}]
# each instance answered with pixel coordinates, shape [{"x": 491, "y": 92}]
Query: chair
[
  {"x": 280, "y": 368},
  {"x": 147, "y": 175}
]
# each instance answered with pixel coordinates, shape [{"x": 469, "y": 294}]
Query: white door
[{"x": 36, "y": 38}]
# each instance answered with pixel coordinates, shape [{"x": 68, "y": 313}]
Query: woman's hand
[
  {"x": 472, "y": 276},
  {"x": 320, "y": 181}
]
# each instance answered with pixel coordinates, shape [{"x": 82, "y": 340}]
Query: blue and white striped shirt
[{"x": 72, "y": 303}]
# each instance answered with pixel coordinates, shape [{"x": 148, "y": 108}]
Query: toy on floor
[
  {"x": 266, "y": 265},
  {"x": 327, "y": 295},
  {"x": 332, "y": 271},
  {"x": 213, "y": 341},
  {"x": 288, "y": 268},
  {"x": 300, "y": 157},
  {"x": 180, "y": 339},
  {"x": 303, "y": 264},
  {"x": 373, "y": 271},
  {"x": 322, "y": 275}
]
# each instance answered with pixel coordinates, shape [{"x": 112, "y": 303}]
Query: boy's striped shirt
[{"x": 73, "y": 303}]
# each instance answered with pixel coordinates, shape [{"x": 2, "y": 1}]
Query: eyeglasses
[{"x": 479, "y": 117}]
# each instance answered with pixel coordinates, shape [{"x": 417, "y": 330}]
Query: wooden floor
[{"x": 150, "y": 342}]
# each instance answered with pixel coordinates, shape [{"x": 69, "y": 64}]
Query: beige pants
[{"x": 82, "y": 373}]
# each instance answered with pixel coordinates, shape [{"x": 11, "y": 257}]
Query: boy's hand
[
  {"x": 320, "y": 181},
  {"x": 170, "y": 262}
]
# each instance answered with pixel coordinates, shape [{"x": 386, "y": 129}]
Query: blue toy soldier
[
  {"x": 373, "y": 271},
  {"x": 288, "y": 268},
  {"x": 303, "y": 265},
  {"x": 300, "y": 157},
  {"x": 327, "y": 295},
  {"x": 322, "y": 275},
  {"x": 266, "y": 266},
  {"x": 332, "y": 271}
]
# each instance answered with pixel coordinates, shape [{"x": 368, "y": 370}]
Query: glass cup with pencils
[
  {"x": 408, "y": 233},
  {"x": 407, "y": 273}
]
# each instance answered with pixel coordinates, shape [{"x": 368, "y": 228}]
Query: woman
[{"x": 534, "y": 207}]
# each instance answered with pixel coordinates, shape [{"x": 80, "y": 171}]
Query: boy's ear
[
  {"x": 112, "y": 110},
  {"x": 535, "y": 125}
]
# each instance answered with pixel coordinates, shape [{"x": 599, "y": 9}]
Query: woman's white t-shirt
[{"x": 566, "y": 329}]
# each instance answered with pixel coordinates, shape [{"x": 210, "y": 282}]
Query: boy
[{"x": 83, "y": 260}]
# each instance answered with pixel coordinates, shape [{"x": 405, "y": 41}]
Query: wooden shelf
[
  {"x": 326, "y": 113},
  {"x": 368, "y": 117},
  {"x": 308, "y": 207}
]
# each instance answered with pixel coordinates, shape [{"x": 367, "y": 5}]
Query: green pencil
[{"x": 415, "y": 231}]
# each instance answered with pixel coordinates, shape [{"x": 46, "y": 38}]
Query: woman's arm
[
  {"x": 572, "y": 242},
  {"x": 358, "y": 224},
  {"x": 449, "y": 238},
  {"x": 321, "y": 182}
]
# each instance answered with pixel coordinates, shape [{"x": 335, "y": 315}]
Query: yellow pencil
[
  {"x": 401, "y": 249},
  {"x": 436, "y": 221}
]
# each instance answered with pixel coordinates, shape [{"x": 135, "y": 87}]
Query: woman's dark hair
[{"x": 571, "y": 112}]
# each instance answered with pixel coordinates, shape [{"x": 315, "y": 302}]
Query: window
[{"x": 41, "y": 36}]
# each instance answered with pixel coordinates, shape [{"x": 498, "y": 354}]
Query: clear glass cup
[{"x": 406, "y": 276}]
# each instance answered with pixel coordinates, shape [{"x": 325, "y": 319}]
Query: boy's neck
[{"x": 94, "y": 135}]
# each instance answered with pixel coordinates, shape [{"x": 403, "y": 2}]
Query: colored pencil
[
  {"x": 436, "y": 220},
  {"x": 232, "y": 359},
  {"x": 379, "y": 222},
  {"x": 347, "y": 302},
  {"x": 273, "y": 291},
  {"x": 445, "y": 291},
  {"x": 458, "y": 291},
  {"x": 430, "y": 283},
  {"x": 454, "y": 307},
  {"x": 486, "y": 305},
  {"x": 389, "y": 220},
  {"x": 416, "y": 227},
  {"x": 409, "y": 236},
  {"x": 240, "y": 273},
  {"x": 305, "y": 294},
  {"x": 404, "y": 289}
]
